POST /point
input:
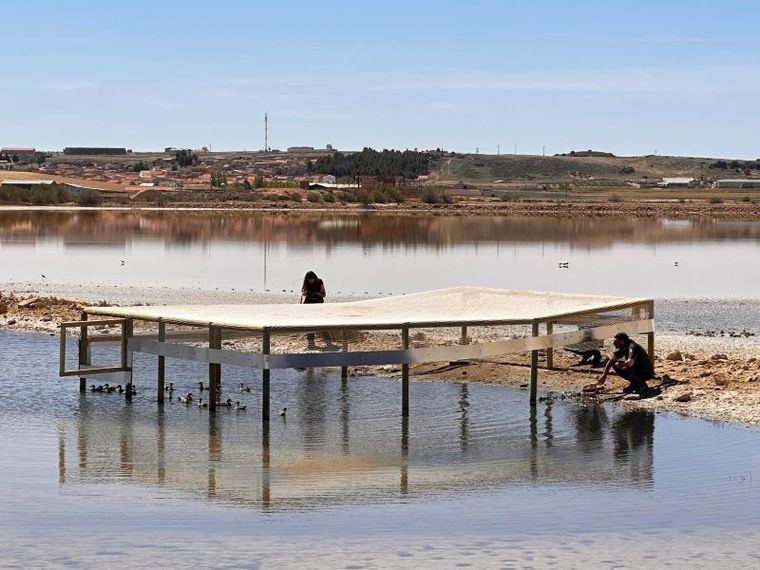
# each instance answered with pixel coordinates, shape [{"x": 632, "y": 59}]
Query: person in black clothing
[
  {"x": 313, "y": 291},
  {"x": 631, "y": 362}
]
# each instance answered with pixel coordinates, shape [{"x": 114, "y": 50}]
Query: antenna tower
[{"x": 266, "y": 132}]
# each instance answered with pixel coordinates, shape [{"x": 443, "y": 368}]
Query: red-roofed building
[{"x": 18, "y": 153}]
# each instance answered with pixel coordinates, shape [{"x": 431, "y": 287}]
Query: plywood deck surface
[{"x": 457, "y": 306}]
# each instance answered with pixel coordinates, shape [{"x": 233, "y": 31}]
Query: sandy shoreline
[
  {"x": 694, "y": 207},
  {"x": 718, "y": 377}
]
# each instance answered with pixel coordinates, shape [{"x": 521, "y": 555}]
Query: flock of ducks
[
  {"x": 188, "y": 398},
  {"x": 108, "y": 389}
]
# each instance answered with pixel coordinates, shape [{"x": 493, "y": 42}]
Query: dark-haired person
[
  {"x": 631, "y": 362},
  {"x": 313, "y": 291}
]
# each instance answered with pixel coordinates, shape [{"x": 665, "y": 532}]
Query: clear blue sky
[{"x": 629, "y": 77}]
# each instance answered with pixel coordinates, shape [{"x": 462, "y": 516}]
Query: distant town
[{"x": 90, "y": 175}]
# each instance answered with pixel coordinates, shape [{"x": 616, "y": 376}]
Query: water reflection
[
  {"x": 374, "y": 254},
  {"x": 352, "y": 456},
  {"x": 114, "y": 228}
]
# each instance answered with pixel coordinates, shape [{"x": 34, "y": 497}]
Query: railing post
[
  {"x": 84, "y": 351},
  {"x": 405, "y": 373},
  {"x": 265, "y": 374},
  {"x": 550, "y": 350},
  {"x": 214, "y": 369},
  {"x": 126, "y": 355},
  {"x": 650, "y": 335},
  {"x": 161, "y": 362},
  {"x": 534, "y": 369},
  {"x": 344, "y": 369}
]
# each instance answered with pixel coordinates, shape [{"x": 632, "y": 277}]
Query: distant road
[{"x": 16, "y": 175}]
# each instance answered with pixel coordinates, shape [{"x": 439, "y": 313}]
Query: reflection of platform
[{"x": 562, "y": 445}]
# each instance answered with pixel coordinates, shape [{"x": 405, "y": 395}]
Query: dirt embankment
[
  {"x": 540, "y": 208},
  {"x": 713, "y": 386}
]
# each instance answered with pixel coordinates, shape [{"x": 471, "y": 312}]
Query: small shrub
[
  {"x": 329, "y": 197},
  {"x": 433, "y": 195},
  {"x": 89, "y": 197},
  {"x": 615, "y": 198},
  {"x": 746, "y": 199},
  {"x": 314, "y": 197},
  {"x": 716, "y": 200}
]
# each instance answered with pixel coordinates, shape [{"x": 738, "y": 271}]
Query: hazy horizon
[{"x": 631, "y": 78}]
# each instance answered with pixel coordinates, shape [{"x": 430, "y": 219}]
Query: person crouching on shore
[{"x": 632, "y": 363}]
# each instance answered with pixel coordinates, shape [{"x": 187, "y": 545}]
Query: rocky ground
[
  {"x": 704, "y": 381},
  {"x": 577, "y": 207}
]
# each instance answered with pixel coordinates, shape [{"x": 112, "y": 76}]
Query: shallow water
[
  {"x": 473, "y": 477},
  {"x": 358, "y": 254}
]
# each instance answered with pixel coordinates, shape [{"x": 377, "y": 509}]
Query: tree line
[{"x": 407, "y": 163}]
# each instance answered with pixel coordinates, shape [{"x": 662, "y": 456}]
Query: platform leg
[
  {"x": 161, "y": 364},
  {"x": 265, "y": 374},
  {"x": 534, "y": 369},
  {"x": 126, "y": 356},
  {"x": 549, "y": 351},
  {"x": 214, "y": 369},
  {"x": 405, "y": 373},
  {"x": 84, "y": 352}
]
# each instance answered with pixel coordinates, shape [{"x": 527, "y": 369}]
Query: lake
[
  {"x": 473, "y": 477},
  {"x": 371, "y": 254}
]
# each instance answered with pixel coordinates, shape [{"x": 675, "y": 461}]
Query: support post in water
[
  {"x": 549, "y": 351},
  {"x": 534, "y": 369},
  {"x": 84, "y": 351},
  {"x": 463, "y": 336},
  {"x": 405, "y": 373},
  {"x": 126, "y": 355},
  {"x": 650, "y": 335},
  {"x": 214, "y": 369},
  {"x": 265, "y": 373},
  {"x": 344, "y": 369},
  {"x": 161, "y": 362}
]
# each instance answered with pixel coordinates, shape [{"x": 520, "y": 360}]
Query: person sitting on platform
[
  {"x": 313, "y": 291},
  {"x": 632, "y": 363}
]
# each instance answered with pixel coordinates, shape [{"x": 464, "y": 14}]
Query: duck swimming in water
[
  {"x": 187, "y": 398},
  {"x": 240, "y": 407}
]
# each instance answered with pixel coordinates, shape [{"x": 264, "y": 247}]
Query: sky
[{"x": 629, "y": 77}]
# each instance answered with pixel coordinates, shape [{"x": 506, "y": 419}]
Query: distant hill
[{"x": 476, "y": 167}]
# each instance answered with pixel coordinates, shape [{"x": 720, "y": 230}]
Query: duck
[
  {"x": 170, "y": 387},
  {"x": 119, "y": 389},
  {"x": 132, "y": 388},
  {"x": 201, "y": 387},
  {"x": 187, "y": 398},
  {"x": 282, "y": 411},
  {"x": 244, "y": 388},
  {"x": 94, "y": 388},
  {"x": 240, "y": 407},
  {"x": 227, "y": 404},
  {"x": 202, "y": 404}
]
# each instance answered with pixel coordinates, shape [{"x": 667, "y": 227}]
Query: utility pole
[
  {"x": 498, "y": 150},
  {"x": 515, "y": 149},
  {"x": 543, "y": 151},
  {"x": 266, "y": 132}
]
